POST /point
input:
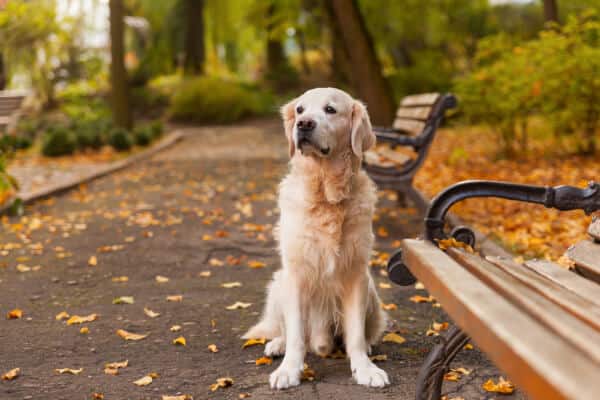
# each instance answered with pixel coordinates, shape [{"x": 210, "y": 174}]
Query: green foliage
[
  {"x": 120, "y": 139},
  {"x": 59, "y": 141},
  {"x": 555, "y": 75},
  {"x": 142, "y": 136},
  {"x": 212, "y": 100}
]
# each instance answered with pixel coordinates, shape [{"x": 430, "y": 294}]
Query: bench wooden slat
[
  {"x": 567, "y": 279},
  {"x": 594, "y": 230},
  {"x": 586, "y": 256},
  {"x": 544, "y": 365},
  {"x": 424, "y": 99},
  {"x": 421, "y": 113},
  {"x": 409, "y": 125},
  {"x": 548, "y": 313},
  {"x": 570, "y": 301}
]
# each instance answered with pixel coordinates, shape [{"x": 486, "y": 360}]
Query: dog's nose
[{"x": 306, "y": 125}]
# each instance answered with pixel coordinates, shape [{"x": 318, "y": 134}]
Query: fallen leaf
[
  {"x": 215, "y": 262},
  {"x": 253, "y": 342},
  {"x": 62, "y": 315},
  {"x": 144, "y": 381},
  {"x": 179, "y": 341},
  {"x": 221, "y": 383},
  {"x": 264, "y": 361},
  {"x": 97, "y": 396},
  {"x": 175, "y": 298},
  {"x": 389, "y": 307},
  {"x": 379, "y": 357},
  {"x": 231, "y": 285},
  {"x": 384, "y": 285},
  {"x": 14, "y": 314},
  {"x": 338, "y": 355},
  {"x": 76, "y": 319},
  {"x": 256, "y": 264},
  {"x": 180, "y": 397},
  {"x": 130, "y": 336},
  {"x": 113, "y": 368},
  {"x": 419, "y": 286},
  {"x": 175, "y": 328},
  {"x": 436, "y": 328},
  {"x": 238, "y": 305},
  {"x": 84, "y": 330},
  {"x": 23, "y": 268},
  {"x": 393, "y": 337},
  {"x": 123, "y": 300},
  {"x": 445, "y": 244},
  {"x": 468, "y": 346},
  {"x": 204, "y": 274},
  {"x": 244, "y": 395},
  {"x": 93, "y": 261},
  {"x": 69, "y": 371},
  {"x": 161, "y": 279},
  {"x": 12, "y": 374},
  {"x": 503, "y": 386},
  {"x": 421, "y": 299},
  {"x": 151, "y": 313},
  {"x": 308, "y": 374},
  {"x": 382, "y": 232},
  {"x": 120, "y": 279},
  {"x": 213, "y": 348}
]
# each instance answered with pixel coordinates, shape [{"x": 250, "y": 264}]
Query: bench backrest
[{"x": 415, "y": 111}]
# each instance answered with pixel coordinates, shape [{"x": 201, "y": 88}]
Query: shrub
[
  {"x": 59, "y": 141},
  {"x": 120, "y": 139},
  {"x": 143, "y": 136},
  {"x": 156, "y": 129},
  {"x": 212, "y": 100}
]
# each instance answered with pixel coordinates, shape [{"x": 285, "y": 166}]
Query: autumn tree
[
  {"x": 3, "y": 78},
  {"x": 194, "y": 37},
  {"x": 120, "y": 99},
  {"x": 371, "y": 86},
  {"x": 550, "y": 11}
]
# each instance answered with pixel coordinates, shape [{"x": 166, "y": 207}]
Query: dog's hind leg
[{"x": 270, "y": 325}]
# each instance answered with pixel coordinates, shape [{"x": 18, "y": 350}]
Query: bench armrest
[{"x": 397, "y": 137}]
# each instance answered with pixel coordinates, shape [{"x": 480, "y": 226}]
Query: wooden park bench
[
  {"x": 416, "y": 123},
  {"x": 537, "y": 321},
  {"x": 10, "y": 106}
]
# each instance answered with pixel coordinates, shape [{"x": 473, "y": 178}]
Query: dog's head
[{"x": 326, "y": 122}]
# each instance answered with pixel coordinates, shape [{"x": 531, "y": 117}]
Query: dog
[{"x": 324, "y": 289}]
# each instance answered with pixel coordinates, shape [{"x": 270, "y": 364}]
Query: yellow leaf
[
  {"x": 503, "y": 386},
  {"x": 23, "y": 268},
  {"x": 161, "y": 279},
  {"x": 12, "y": 374},
  {"x": 175, "y": 328},
  {"x": 231, "y": 285},
  {"x": 238, "y": 305},
  {"x": 384, "y": 285},
  {"x": 389, "y": 307},
  {"x": 61, "y": 315},
  {"x": 76, "y": 319},
  {"x": 130, "y": 336},
  {"x": 445, "y": 244},
  {"x": 215, "y": 262},
  {"x": 468, "y": 346},
  {"x": 221, "y": 383},
  {"x": 382, "y": 232},
  {"x": 120, "y": 279},
  {"x": 244, "y": 395},
  {"x": 452, "y": 376},
  {"x": 213, "y": 348},
  {"x": 421, "y": 299},
  {"x": 84, "y": 330},
  {"x": 308, "y": 374},
  {"x": 179, "y": 341},
  {"x": 256, "y": 264},
  {"x": 204, "y": 274},
  {"x": 97, "y": 396},
  {"x": 180, "y": 397},
  {"x": 144, "y": 381},
  {"x": 123, "y": 300},
  {"x": 151, "y": 313},
  {"x": 264, "y": 361},
  {"x": 93, "y": 261},
  {"x": 206, "y": 237},
  {"x": 69, "y": 371},
  {"x": 393, "y": 337},
  {"x": 175, "y": 298},
  {"x": 379, "y": 357},
  {"x": 113, "y": 368},
  {"x": 14, "y": 314},
  {"x": 419, "y": 286},
  {"x": 253, "y": 342}
]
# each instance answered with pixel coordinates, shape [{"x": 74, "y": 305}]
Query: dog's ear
[
  {"x": 362, "y": 138},
  {"x": 288, "y": 114}
]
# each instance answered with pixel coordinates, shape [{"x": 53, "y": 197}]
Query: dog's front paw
[
  {"x": 285, "y": 377},
  {"x": 275, "y": 347},
  {"x": 370, "y": 375}
]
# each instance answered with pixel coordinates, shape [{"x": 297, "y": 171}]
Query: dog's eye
[
  {"x": 299, "y": 109},
  {"x": 330, "y": 110}
]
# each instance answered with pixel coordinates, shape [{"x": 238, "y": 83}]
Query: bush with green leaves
[
  {"x": 120, "y": 139},
  {"x": 554, "y": 75},
  {"x": 143, "y": 135},
  {"x": 59, "y": 141},
  {"x": 213, "y": 100}
]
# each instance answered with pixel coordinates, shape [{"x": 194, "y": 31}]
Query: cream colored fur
[{"x": 324, "y": 288}]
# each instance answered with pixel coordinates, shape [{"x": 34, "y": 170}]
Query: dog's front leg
[
  {"x": 354, "y": 309},
  {"x": 289, "y": 372}
]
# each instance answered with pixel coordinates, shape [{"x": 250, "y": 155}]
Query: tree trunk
[
  {"x": 118, "y": 74},
  {"x": 550, "y": 11},
  {"x": 276, "y": 60},
  {"x": 371, "y": 85},
  {"x": 3, "y": 77},
  {"x": 194, "y": 37}
]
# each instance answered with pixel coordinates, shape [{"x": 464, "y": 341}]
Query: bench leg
[{"x": 437, "y": 363}]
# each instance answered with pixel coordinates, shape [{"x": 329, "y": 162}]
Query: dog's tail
[{"x": 264, "y": 329}]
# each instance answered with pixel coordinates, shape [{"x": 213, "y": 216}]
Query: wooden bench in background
[
  {"x": 10, "y": 106},
  {"x": 415, "y": 126},
  {"x": 537, "y": 321}
]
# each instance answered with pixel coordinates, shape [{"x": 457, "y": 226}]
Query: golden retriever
[{"x": 324, "y": 288}]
